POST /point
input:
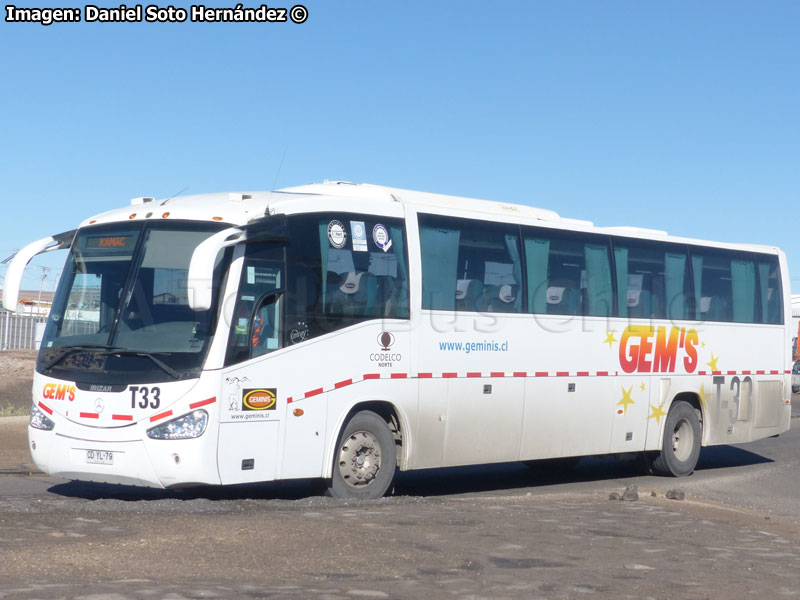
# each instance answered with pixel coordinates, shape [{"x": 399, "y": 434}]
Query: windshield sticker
[
  {"x": 337, "y": 235},
  {"x": 359, "y": 236},
  {"x": 380, "y": 235},
  {"x": 241, "y": 326}
]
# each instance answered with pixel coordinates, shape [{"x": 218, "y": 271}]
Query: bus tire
[
  {"x": 680, "y": 448},
  {"x": 365, "y": 458}
]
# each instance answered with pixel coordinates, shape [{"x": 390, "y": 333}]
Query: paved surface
[{"x": 66, "y": 540}]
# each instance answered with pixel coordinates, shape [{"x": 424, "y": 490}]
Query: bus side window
[
  {"x": 344, "y": 269},
  {"x": 567, "y": 274},
  {"x": 470, "y": 265},
  {"x": 770, "y": 296},
  {"x": 265, "y": 328},
  {"x": 255, "y": 326}
]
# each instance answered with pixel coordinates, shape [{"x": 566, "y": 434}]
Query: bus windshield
[{"x": 122, "y": 304}]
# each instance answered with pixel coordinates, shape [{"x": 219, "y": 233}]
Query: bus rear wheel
[
  {"x": 365, "y": 459},
  {"x": 680, "y": 448}
]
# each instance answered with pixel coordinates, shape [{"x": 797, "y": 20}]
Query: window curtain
[
  {"x": 323, "y": 246},
  {"x": 398, "y": 246},
  {"x": 743, "y": 276},
  {"x": 512, "y": 245},
  {"x": 621, "y": 261},
  {"x": 439, "y": 263},
  {"x": 697, "y": 272},
  {"x": 598, "y": 280},
  {"x": 674, "y": 278},
  {"x": 537, "y": 254}
]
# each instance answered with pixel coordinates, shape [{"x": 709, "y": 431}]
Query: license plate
[{"x": 100, "y": 457}]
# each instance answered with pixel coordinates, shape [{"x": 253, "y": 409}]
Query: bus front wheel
[
  {"x": 365, "y": 458},
  {"x": 680, "y": 448}
]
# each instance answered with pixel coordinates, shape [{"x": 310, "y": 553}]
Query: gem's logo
[
  {"x": 59, "y": 391},
  {"x": 647, "y": 349},
  {"x": 259, "y": 399},
  {"x": 385, "y": 341}
]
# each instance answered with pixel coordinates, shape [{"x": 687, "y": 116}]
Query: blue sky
[{"x": 680, "y": 116}]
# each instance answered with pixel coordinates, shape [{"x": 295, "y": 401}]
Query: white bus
[{"x": 343, "y": 331}]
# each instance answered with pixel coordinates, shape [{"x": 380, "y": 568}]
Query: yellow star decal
[
  {"x": 610, "y": 339},
  {"x": 703, "y": 396},
  {"x": 702, "y": 344},
  {"x": 713, "y": 362},
  {"x": 626, "y": 399},
  {"x": 643, "y": 387},
  {"x": 657, "y": 413}
]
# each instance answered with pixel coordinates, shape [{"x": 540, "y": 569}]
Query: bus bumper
[{"x": 150, "y": 463}]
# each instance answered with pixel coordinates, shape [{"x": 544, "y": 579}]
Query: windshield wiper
[
  {"x": 158, "y": 362},
  {"x": 72, "y": 350}
]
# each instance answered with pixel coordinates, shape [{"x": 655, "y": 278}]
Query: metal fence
[{"x": 18, "y": 332}]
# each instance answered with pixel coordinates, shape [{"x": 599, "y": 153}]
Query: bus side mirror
[
  {"x": 21, "y": 260},
  {"x": 201, "y": 267}
]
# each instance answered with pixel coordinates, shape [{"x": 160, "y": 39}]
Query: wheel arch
[
  {"x": 389, "y": 412},
  {"x": 693, "y": 400}
]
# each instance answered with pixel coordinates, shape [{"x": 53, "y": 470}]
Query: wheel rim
[
  {"x": 359, "y": 459},
  {"x": 682, "y": 440}
]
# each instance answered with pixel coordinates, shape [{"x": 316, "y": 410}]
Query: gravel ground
[
  {"x": 560, "y": 546},
  {"x": 16, "y": 379}
]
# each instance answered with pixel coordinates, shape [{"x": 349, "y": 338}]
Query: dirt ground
[{"x": 16, "y": 378}]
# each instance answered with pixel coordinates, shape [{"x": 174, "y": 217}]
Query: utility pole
[{"x": 41, "y": 285}]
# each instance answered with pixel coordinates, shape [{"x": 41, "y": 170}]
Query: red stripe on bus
[
  {"x": 541, "y": 374},
  {"x": 122, "y": 417},
  {"x": 731, "y": 372},
  {"x": 473, "y": 374},
  {"x": 774, "y": 372},
  {"x": 760, "y": 373},
  {"x": 602, "y": 373},
  {"x": 787, "y": 372},
  {"x": 583, "y": 373},
  {"x": 520, "y": 373},
  {"x": 90, "y": 415},
  {"x": 701, "y": 373},
  {"x": 449, "y": 375},
  {"x": 315, "y": 392},
  {"x": 372, "y": 375},
  {"x": 424, "y": 375},
  {"x": 399, "y": 375},
  {"x": 746, "y": 373},
  {"x": 161, "y": 416},
  {"x": 717, "y": 372},
  {"x": 498, "y": 374},
  {"x": 202, "y": 403},
  {"x": 562, "y": 373},
  {"x": 289, "y": 400},
  {"x": 46, "y": 409},
  {"x": 342, "y": 384}
]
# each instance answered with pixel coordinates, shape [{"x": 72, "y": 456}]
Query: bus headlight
[
  {"x": 39, "y": 420},
  {"x": 183, "y": 428}
]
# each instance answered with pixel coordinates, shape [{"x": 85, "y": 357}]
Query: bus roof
[{"x": 238, "y": 208}]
